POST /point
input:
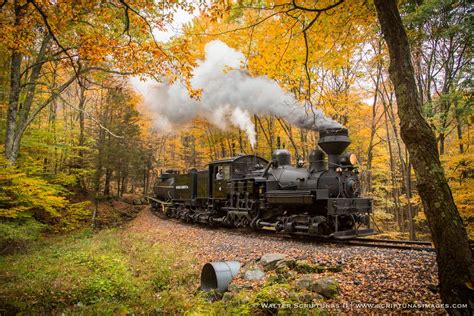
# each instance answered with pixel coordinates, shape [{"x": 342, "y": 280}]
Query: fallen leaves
[{"x": 367, "y": 275}]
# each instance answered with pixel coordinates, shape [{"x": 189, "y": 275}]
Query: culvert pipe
[{"x": 218, "y": 275}]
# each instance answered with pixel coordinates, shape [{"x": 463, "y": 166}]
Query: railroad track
[
  {"x": 361, "y": 241},
  {"x": 397, "y": 244},
  {"x": 393, "y": 244}
]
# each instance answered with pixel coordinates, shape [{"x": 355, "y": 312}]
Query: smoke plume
[{"x": 229, "y": 97}]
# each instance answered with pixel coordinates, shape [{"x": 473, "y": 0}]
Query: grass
[{"x": 109, "y": 271}]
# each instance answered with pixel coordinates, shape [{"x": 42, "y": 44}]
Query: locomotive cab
[{"x": 221, "y": 172}]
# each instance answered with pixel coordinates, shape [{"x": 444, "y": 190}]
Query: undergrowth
[{"x": 109, "y": 271}]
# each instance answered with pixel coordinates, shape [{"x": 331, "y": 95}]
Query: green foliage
[
  {"x": 73, "y": 216},
  {"x": 87, "y": 273},
  {"x": 16, "y": 233},
  {"x": 26, "y": 198},
  {"x": 22, "y": 196}
]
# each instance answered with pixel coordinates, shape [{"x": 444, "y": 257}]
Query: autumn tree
[
  {"x": 75, "y": 38},
  {"x": 454, "y": 255}
]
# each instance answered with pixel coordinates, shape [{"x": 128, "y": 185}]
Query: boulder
[
  {"x": 139, "y": 201},
  {"x": 306, "y": 281},
  {"x": 269, "y": 261},
  {"x": 309, "y": 297},
  {"x": 254, "y": 274},
  {"x": 327, "y": 287}
]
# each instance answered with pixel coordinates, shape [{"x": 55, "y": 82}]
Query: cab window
[{"x": 226, "y": 172}]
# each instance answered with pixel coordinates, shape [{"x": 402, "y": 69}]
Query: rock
[
  {"x": 282, "y": 269},
  {"x": 254, "y": 274},
  {"x": 327, "y": 287},
  {"x": 304, "y": 266},
  {"x": 309, "y": 297},
  {"x": 137, "y": 202},
  {"x": 269, "y": 261},
  {"x": 290, "y": 263},
  {"x": 306, "y": 281}
]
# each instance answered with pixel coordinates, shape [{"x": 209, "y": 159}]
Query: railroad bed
[{"x": 362, "y": 241}]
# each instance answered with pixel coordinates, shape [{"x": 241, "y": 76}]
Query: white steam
[
  {"x": 229, "y": 97},
  {"x": 242, "y": 120}
]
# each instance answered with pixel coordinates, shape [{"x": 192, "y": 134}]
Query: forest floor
[
  {"x": 369, "y": 275},
  {"x": 152, "y": 264}
]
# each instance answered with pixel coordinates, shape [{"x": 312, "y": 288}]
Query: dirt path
[{"x": 369, "y": 275}]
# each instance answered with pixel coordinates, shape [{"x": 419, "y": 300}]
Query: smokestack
[{"x": 334, "y": 141}]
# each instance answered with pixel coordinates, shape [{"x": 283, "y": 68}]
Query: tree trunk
[
  {"x": 411, "y": 221},
  {"x": 458, "y": 126},
  {"x": 12, "y": 147},
  {"x": 454, "y": 256},
  {"x": 256, "y": 133},
  {"x": 441, "y": 138},
  {"x": 373, "y": 129},
  {"x": 108, "y": 177},
  {"x": 18, "y": 114},
  {"x": 395, "y": 192}
]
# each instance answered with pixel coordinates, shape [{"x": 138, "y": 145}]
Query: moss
[
  {"x": 277, "y": 279},
  {"x": 303, "y": 266}
]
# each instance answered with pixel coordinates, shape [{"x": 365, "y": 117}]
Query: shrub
[{"x": 15, "y": 234}]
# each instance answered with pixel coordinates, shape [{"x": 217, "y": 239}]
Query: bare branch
[
  {"x": 91, "y": 117},
  {"x": 150, "y": 27},
  {"x": 317, "y": 9}
]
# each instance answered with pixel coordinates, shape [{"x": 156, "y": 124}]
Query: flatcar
[{"x": 320, "y": 200}]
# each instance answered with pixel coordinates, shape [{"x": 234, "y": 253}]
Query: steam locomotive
[{"x": 322, "y": 200}]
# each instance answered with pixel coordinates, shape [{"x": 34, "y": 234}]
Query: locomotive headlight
[{"x": 353, "y": 159}]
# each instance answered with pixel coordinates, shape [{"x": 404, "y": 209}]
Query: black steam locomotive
[{"x": 321, "y": 200}]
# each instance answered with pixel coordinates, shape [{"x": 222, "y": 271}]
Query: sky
[{"x": 181, "y": 17}]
